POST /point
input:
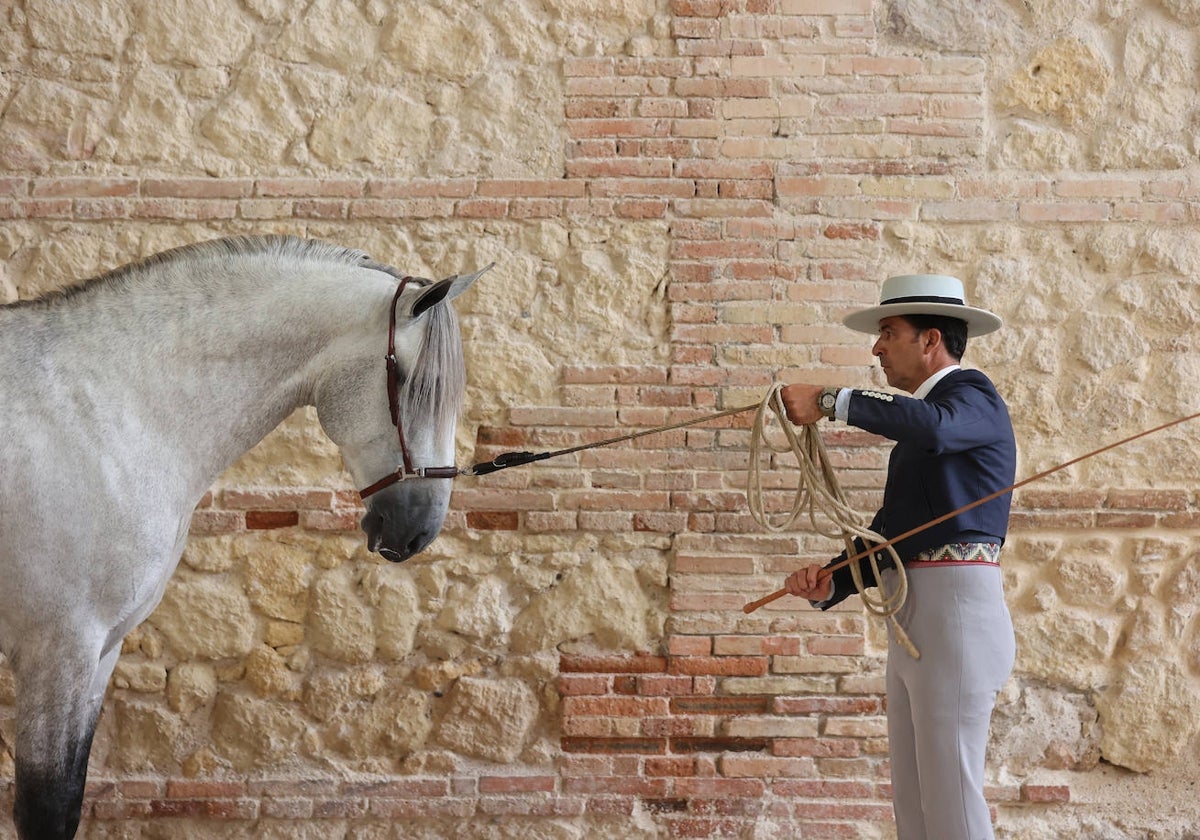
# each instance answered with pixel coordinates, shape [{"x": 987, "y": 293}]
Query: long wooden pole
[{"x": 829, "y": 570}]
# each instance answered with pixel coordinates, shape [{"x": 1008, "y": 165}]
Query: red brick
[
  {"x": 494, "y": 520},
  {"x": 276, "y": 499},
  {"x": 517, "y": 784},
  {"x": 689, "y": 645},
  {"x": 719, "y": 666},
  {"x": 204, "y": 789},
  {"x": 257, "y": 520},
  {"x": 584, "y": 684},
  {"x": 614, "y": 706},
  {"x": 196, "y": 188},
  {"x": 309, "y": 188},
  {"x": 616, "y": 746},
  {"x": 671, "y": 766},
  {"x": 78, "y": 187}
]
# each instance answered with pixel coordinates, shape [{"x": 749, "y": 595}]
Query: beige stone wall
[{"x": 682, "y": 198}]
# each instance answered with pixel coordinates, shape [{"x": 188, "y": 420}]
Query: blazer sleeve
[
  {"x": 843, "y": 578},
  {"x": 952, "y": 419}
]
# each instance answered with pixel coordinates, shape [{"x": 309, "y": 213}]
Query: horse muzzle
[{"x": 398, "y": 526}]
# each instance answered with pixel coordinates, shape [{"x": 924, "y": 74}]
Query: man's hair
[{"x": 953, "y": 330}]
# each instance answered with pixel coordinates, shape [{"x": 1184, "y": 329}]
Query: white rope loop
[{"x": 820, "y": 496}]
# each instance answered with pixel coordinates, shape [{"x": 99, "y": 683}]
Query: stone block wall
[{"x": 682, "y": 198}]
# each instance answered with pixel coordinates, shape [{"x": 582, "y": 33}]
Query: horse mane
[{"x": 271, "y": 245}]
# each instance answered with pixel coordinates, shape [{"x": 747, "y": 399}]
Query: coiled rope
[{"x": 819, "y": 494}]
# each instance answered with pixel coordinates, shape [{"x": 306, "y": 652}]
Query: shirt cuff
[
  {"x": 841, "y": 411},
  {"x": 820, "y": 605}
]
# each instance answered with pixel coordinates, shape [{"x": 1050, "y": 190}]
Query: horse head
[{"x": 406, "y": 433}]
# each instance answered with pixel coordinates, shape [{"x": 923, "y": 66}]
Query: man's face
[{"x": 900, "y": 352}]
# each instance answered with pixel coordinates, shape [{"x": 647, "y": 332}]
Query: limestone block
[
  {"x": 250, "y": 732},
  {"x": 148, "y": 736},
  {"x": 446, "y": 44},
  {"x": 341, "y": 625},
  {"x": 1042, "y": 638},
  {"x": 607, "y": 23},
  {"x": 190, "y": 686},
  {"x": 254, "y": 124},
  {"x": 488, "y": 718},
  {"x": 1149, "y": 714},
  {"x": 277, "y": 576},
  {"x": 279, "y": 634},
  {"x": 153, "y": 122},
  {"x": 399, "y": 129},
  {"x": 389, "y": 727},
  {"x": 1106, "y": 341},
  {"x": 1067, "y": 80},
  {"x": 209, "y": 553},
  {"x": 480, "y": 611},
  {"x": 951, "y": 26},
  {"x": 332, "y": 693},
  {"x": 196, "y": 32},
  {"x": 1129, "y": 144},
  {"x": 1185, "y": 11},
  {"x": 268, "y": 673},
  {"x": 390, "y": 590},
  {"x": 205, "y": 618},
  {"x": 1160, "y": 67},
  {"x": 46, "y": 120},
  {"x": 333, "y": 33},
  {"x": 96, "y": 27},
  {"x": 602, "y": 600},
  {"x": 146, "y": 677},
  {"x": 1045, "y": 727},
  {"x": 436, "y": 676},
  {"x": 1090, "y": 573}
]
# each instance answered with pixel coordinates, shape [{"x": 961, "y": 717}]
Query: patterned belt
[{"x": 958, "y": 554}]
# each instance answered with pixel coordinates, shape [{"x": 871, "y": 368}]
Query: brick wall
[{"x": 787, "y": 150}]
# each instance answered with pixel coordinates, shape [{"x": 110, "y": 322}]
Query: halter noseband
[{"x": 406, "y": 469}]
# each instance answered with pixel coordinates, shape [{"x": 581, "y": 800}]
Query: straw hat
[{"x": 923, "y": 294}]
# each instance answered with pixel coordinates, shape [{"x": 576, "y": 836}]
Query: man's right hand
[{"x": 809, "y": 583}]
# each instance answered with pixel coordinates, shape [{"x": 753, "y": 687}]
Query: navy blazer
[{"x": 954, "y": 447}]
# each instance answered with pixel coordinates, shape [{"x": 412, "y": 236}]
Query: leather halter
[{"x": 406, "y": 469}]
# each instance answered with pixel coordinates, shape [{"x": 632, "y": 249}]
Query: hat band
[{"x": 923, "y": 299}]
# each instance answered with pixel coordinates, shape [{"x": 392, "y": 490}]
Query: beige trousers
[{"x": 939, "y": 707}]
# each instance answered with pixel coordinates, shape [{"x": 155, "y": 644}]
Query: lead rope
[{"x": 818, "y": 492}]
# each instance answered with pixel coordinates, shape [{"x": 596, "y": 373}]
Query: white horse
[{"x": 120, "y": 403}]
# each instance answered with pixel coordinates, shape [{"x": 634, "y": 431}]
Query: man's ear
[{"x": 931, "y": 338}]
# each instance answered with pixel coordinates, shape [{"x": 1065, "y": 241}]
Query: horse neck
[{"x": 209, "y": 365}]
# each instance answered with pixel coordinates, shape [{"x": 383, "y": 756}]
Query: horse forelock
[{"x": 436, "y": 384}]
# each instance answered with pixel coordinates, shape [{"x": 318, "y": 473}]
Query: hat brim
[{"x": 979, "y": 321}]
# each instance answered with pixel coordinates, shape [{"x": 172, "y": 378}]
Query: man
[{"x": 954, "y": 446}]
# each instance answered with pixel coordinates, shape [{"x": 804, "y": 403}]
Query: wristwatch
[{"x": 827, "y": 401}]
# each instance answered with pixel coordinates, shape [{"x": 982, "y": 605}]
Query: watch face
[{"x": 828, "y": 401}]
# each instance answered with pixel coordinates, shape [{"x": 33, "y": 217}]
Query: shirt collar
[{"x": 923, "y": 391}]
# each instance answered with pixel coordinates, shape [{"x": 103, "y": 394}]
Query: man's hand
[
  {"x": 809, "y": 583},
  {"x": 800, "y": 402}
]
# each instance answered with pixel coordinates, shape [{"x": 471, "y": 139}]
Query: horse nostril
[{"x": 417, "y": 543}]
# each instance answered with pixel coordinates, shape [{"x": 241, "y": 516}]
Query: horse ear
[{"x": 444, "y": 290}]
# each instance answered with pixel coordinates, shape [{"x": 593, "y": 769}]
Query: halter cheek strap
[{"x": 406, "y": 469}]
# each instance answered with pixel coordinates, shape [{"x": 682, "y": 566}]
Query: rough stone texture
[{"x": 489, "y": 719}]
